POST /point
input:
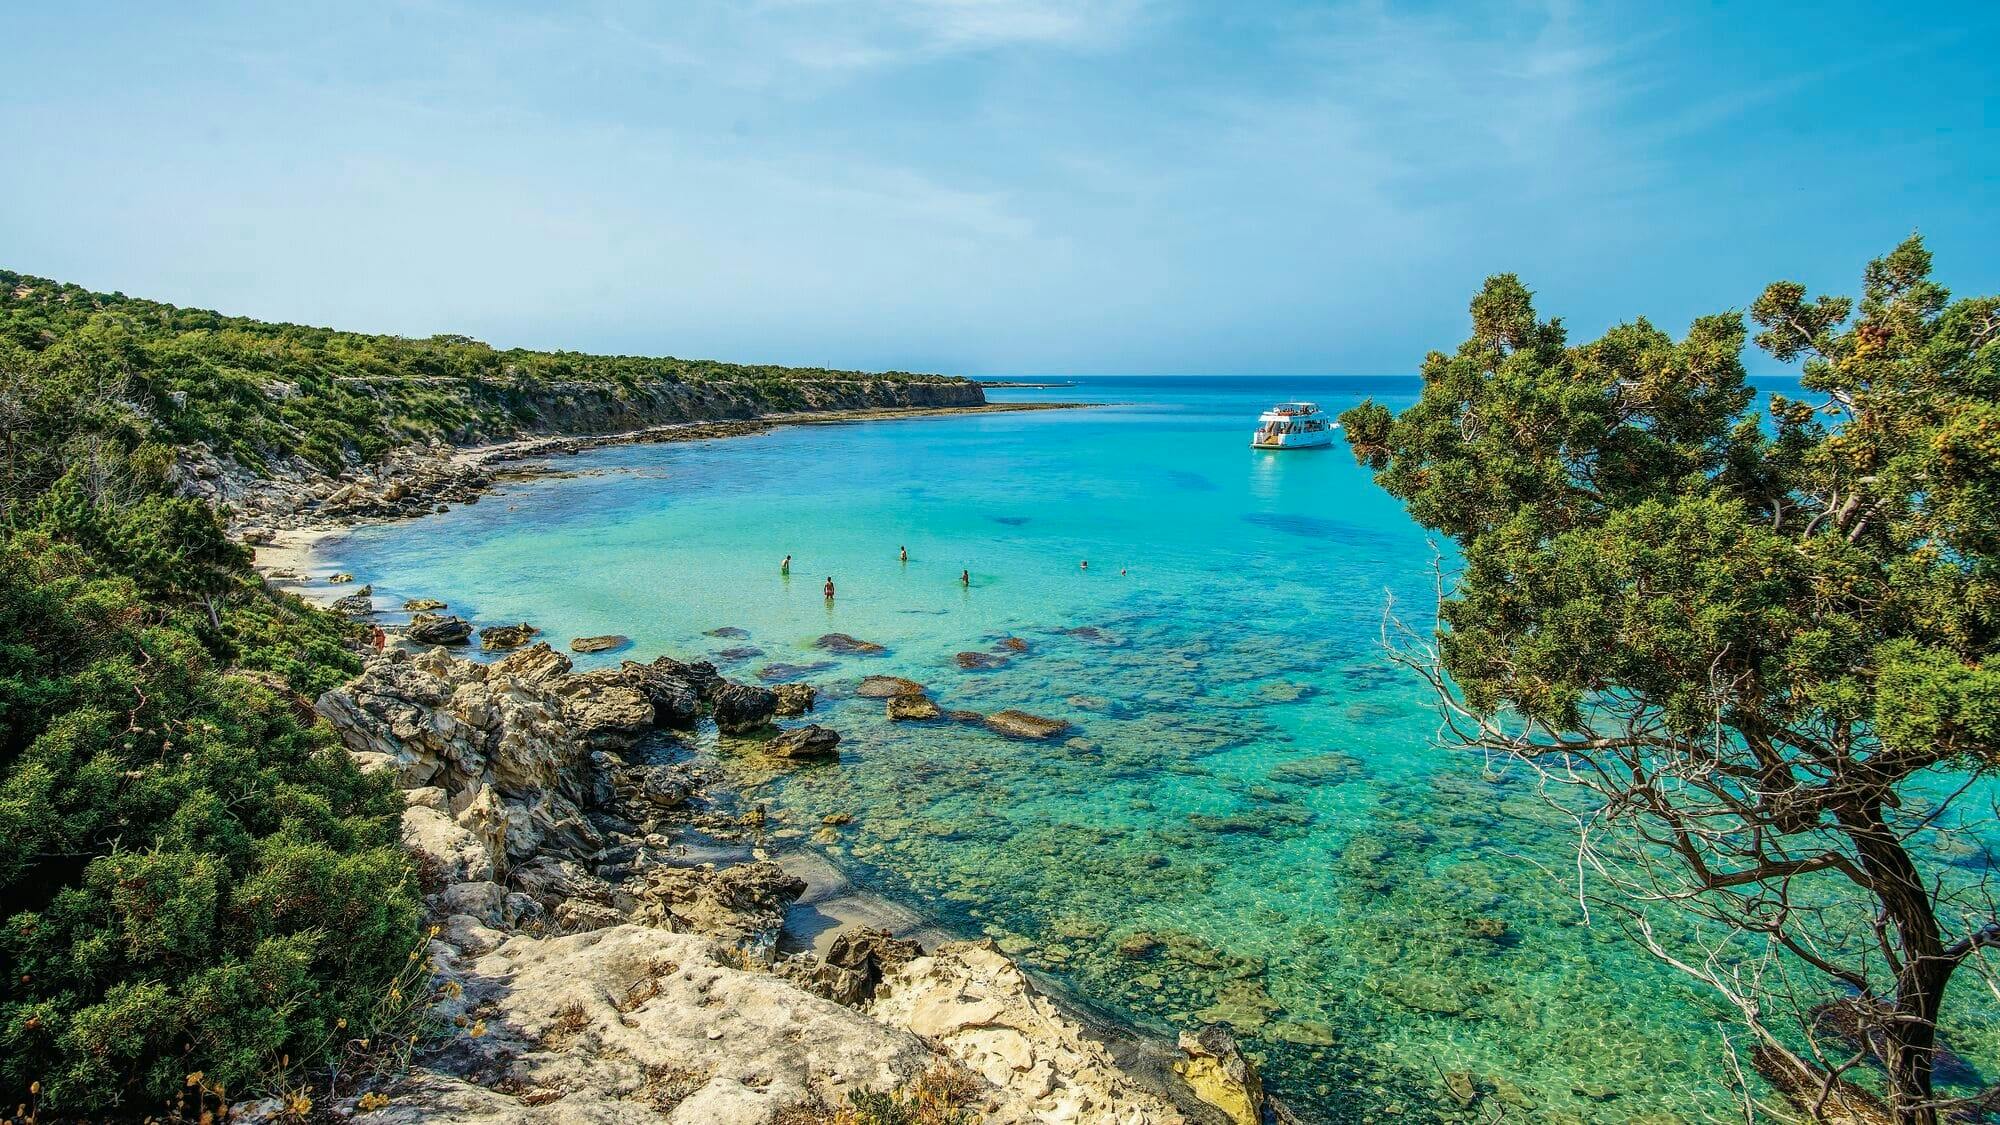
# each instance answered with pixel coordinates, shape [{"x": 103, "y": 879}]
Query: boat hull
[{"x": 1318, "y": 440}]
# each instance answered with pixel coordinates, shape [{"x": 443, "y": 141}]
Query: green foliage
[
  {"x": 1627, "y": 526},
  {"x": 196, "y": 876},
  {"x": 249, "y": 388},
  {"x": 1771, "y": 648}
]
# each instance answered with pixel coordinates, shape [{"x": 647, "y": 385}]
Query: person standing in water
[
  {"x": 902, "y": 554},
  {"x": 965, "y": 579},
  {"x": 829, "y": 587},
  {"x": 1084, "y": 565},
  {"x": 785, "y": 568}
]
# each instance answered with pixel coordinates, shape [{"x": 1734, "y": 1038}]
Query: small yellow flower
[
  {"x": 195, "y": 1078},
  {"x": 476, "y": 1030},
  {"x": 340, "y": 1024},
  {"x": 372, "y": 1101}
]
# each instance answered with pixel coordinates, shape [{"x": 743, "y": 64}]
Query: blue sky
[{"x": 991, "y": 187}]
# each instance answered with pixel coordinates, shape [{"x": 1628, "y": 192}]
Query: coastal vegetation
[
  {"x": 201, "y": 890},
  {"x": 250, "y": 388},
  {"x": 1757, "y": 658}
]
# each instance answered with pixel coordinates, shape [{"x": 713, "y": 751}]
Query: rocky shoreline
[
  {"x": 615, "y": 968},
  {"x": 625, "y": 947}
]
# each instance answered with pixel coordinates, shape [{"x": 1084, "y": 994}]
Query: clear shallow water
[{"x": 1250, "y": 821}]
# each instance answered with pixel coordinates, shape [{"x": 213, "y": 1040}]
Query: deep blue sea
[{"x": 1251, "y": 819}]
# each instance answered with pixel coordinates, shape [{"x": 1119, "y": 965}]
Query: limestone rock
[
  {"x": 511, "y": 766},
  {"x": 422, "y": 605},
  {"x": 697, "y": 674},
  {"x": 794, "y": 699},
  {"x": 871, "y": 955},
  {"x": 741, "y": 708},
  {"x": 676, "y": 699},
  {"x": 741, "y": 906},
  {"x": 604, "y": 711},
  {"x": 1217, "y": 1072},
  {"x": 812, "y": 741},
  {"x": 459, "y": 855},
  {"x": 434, "y": 629},
  {"x": 821, "y": 978},
  {"x": 538, "y": 663},
  {"x": 663, "y": 787},
  {"x": 912, "y": 708},
  {"x": 975, "y": 1005},
  {"x": 603, "y": 643},
  {"x": 1020, "y": 724},
  {"x": 498, "y": 638},
  {"x": 627, "y": 1023},
  {"x": 979, "y": 661}
]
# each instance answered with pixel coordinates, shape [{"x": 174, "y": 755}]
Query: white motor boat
[{"x": 1293, "y": 425}]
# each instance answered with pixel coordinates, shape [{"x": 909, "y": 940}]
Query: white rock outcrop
[{"x": 975, "y": 1005}]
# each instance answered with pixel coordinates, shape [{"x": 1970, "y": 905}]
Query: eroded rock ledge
[{"x": 615, "y": 980}]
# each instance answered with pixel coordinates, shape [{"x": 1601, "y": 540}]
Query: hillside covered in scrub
[
  {"x": 196, "y": 879},
  {"x": 249, "y": 388}
]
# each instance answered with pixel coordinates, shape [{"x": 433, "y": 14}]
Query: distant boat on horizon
[{"x": 1293, "y": 425}]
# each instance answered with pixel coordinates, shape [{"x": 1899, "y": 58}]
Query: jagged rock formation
[
  {"x": 615, "y": 981},
  {"x": 971, "y": 1002}
]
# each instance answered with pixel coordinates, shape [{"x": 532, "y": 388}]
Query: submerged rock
[
  {"x": 794, "y": 699},
  {"x": 842, "y": 642},
  {"x": 882, "y": 687},
  {"x": 422, "y": 605},
  {"x": 805, "y": 742},
  {"x": 979, "y": 661},
  {"x": 604, "y": 643},
  {"x": 433, "y": 629},
  {"x": 912, "y": 708},
  {"x": 1012, "y": 644},
  {"x": 498, "y": 638},
  {"x": 782, "y": 671},
  {"x": 727, "y": 631},
  {"x": 1020, "y": 724}
]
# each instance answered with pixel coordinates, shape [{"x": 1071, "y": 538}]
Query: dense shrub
[{"x": 196, "y": 877}]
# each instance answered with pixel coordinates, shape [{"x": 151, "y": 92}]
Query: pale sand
[{"x": 290, "y": 553}]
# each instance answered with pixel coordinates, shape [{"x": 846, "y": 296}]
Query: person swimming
[
  {"x": 829, "y": 587},
  {"x": 786, "y": 566},
  {"x": 1084, "y": 565}
]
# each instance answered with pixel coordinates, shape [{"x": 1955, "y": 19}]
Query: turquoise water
[{"x": 1250, "y": 820}]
